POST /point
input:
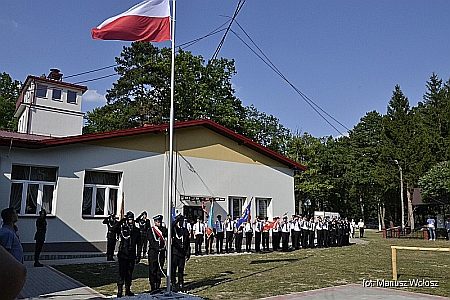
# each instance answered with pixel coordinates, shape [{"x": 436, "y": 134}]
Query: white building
[{"x": 80, "y": 179}]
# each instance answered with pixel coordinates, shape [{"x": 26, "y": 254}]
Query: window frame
[
  {"x": 74, "y": 93},
  {"x": 38, "y": 89},
  {"x": 261, "y": 199},
  {"x": 26, "y": 182},
  {"x": 108, "y": 188},
  {"x": 231, "y": 199},
  {"x": 60, "y": 94}
]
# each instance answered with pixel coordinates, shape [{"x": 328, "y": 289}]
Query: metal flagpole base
[{"x": 162, "y": 295}]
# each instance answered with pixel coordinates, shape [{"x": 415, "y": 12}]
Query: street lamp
[{"x": 401, "y": 192}]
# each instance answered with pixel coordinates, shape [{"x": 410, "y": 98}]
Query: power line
[
  {"x": 272, "y": 66},
  {"x": 182, "y": 46},
  {"x": 98, "y": 78},
  {"x": 90, "y": 71},
  {"x": 236, "y": 12}
]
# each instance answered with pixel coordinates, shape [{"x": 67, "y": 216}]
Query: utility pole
[{"x": 401, "y": 193}]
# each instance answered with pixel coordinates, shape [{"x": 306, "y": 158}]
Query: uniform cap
[
  {"x": 158, "y": 218},
  {"x": 129, "y": 215}
]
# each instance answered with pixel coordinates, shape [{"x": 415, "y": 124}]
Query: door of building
[{"x": 193, "y": 213}]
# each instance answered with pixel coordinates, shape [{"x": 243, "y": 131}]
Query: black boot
[
  {"x": 128, "y": 291},
  {"x": 152, "y": 287},
  {"x": 119, "y": 291}
]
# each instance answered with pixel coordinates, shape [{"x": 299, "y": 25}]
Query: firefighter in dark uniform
[
  {"x": 39, "y": 237},
  {"x": 129, "y": 238},
  {"x": 239, "y": 236},
  {"x": 144, "y": 226},
  {"x": 156, "y": 252},
  {"x": 181, "y": 252},
  {"x": 111, "y": 236}
]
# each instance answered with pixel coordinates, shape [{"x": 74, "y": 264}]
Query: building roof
[{"x": 13, "y": 139}]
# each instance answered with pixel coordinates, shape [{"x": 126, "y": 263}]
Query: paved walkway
[
  {"x": 356, "y": 292},
  {"x": 48, "y": 283}
]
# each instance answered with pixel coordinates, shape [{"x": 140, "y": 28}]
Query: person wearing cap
[
  {"x": 144, "y": 225},
  {"x": 156, "y": 237},
  {"x": 258, "y": 227},
  {"x": 111, "y": 236},
  {"x": 229, "y": 230},
  {"x": 265, "y": 234},
  {"x": 285, "y": 230},
  {"x": 276, "y": 234},
  {"x": 219, "y": 232},
  {"x": 248, "y": 230},
  {"x": 39, "y": 236},
  {"x": 129, "y": 239},
  {"x": 181, "y": 252},
  {"x": 295, "y": 232},
  {"x": 239, "y": 235},
  {"x": 199, "y": 231}
]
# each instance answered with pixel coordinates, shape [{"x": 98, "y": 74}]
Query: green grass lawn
[{"x": 253, "y": 276}]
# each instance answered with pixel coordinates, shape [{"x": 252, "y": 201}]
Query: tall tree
[
  {"x": 141, "y": 95},
  {"x": 9, "y": 92}
]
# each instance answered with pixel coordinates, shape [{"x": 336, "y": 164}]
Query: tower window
[
  {"x": 72, "y": 97},
  {"x": 56, "y": 94},
  {"x": 41, "y": 91}
]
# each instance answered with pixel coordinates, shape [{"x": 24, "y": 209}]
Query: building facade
[{"x": 81, "y": 179}]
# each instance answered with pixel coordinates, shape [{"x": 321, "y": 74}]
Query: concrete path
[
  {"x": 48, "y": 283},
  {"x": 356, "y": 292}
]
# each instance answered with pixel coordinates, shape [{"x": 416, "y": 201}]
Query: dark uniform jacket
[
  {"x": 130, "y": 236},
  {"x": 180, "y": 242},
  {"x": 41, "y": 229},
  {"x": 156, "y": 240},
  {"x": 111, "y": 223},
  {"x": 144, "y": 225}
]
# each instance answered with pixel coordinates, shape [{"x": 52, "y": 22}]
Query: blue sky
[{"x": 345, "y": 55}]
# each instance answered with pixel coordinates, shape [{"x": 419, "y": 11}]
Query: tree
[
  {"x": 142, "y": 93},
  {"x": 9, "y": 92},
  {"x": 435, "y": 183},
  {"x": 202, "y": 91},
  {"x": 366, "y": 174}
]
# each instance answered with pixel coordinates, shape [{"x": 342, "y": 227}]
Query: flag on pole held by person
[
  {"x": 246, "y": 215},
  {"x": 210, "y": 223},
  {"x": 148, "y": 21}
]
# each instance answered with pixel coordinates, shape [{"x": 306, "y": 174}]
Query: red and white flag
[{"x": 148, "y": 21}]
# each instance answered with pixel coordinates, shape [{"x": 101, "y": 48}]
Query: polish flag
[{"x": 148, "y": 21}]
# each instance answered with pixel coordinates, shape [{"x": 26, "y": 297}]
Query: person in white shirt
[
  {"x": 361, "y": 228},
  {"x": 258, "y": 227},
  {"x": 285, "y": 230},
  {"x": 219, "y": 231},
  {"x": 229, "y": 227},
  {"x": 248, "y": 230},
  {"x": 199, "y": 231},
  {"x": 431, "y": 229},
  {"x": 276, "y": 234},
  {"x": 352, "y": 228}
]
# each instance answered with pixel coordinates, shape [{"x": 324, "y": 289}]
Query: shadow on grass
[
  {"x": 206, "y": 283},
  {"x": 266, "y": 261}
]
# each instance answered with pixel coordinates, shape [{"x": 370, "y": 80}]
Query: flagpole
[{"x": 171, "y": 189}]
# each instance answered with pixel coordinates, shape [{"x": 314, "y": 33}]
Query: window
[
  {"x": 56, "y": 95},
  {"x": 100, "y": 195},
  {"x": 235, "y": 205},
  {"x": 262, "y": 207},
  {"x": 33, "y": 188},
  {"x": 72, "y": 97},
  {"x": 41, "y": 91}
]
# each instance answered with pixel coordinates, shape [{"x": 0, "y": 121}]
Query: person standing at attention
[{"x": 39, "y": 237}]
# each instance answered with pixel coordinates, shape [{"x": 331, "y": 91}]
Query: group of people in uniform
[
  {"x": 139, "y": 239},
  {"x": 298, "y": 232}
]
